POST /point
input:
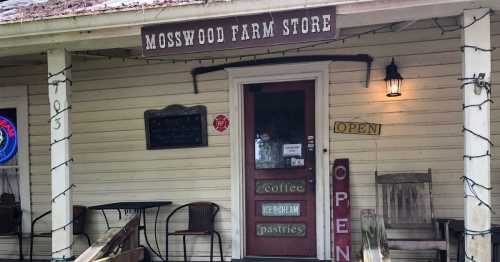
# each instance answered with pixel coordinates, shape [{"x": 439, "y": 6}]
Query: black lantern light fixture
[{"x": 393, "y": 80}]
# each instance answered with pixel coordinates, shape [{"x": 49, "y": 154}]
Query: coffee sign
[
  {"x": 272, "y": 28},
  {"x": 280, "y": 186}
]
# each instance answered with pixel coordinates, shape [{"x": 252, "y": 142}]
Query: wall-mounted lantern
[{"x": 393, "y": 80}]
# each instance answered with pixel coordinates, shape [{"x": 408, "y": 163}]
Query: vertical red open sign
[{"x": 341, "y": 211}]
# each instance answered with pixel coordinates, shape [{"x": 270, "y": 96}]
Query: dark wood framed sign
[
  {"x": 176, "y": 126},
  {"x": 266, "y": 29}
]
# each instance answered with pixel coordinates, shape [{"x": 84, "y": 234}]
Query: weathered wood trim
[
  {"x": 125, "y": 232},
  {"x": 133, "y": 255},
  {"x": 398, "y": 178},
  {"x": 256, "y": 259},
  {"x": 413, "y": 245}
]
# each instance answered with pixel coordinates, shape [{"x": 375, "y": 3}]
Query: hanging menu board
[{"x": 176, "y": 126}]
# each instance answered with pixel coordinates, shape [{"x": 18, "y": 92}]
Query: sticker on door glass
[
  {"x": 280, "y": 209},
  {"x": 294, "y": 162},
  {"x": 281, "y": 230},
  {"x": 292, "y": 150}
]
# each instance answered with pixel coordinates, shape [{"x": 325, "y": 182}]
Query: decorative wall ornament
[{"x": 221, "y": 123}]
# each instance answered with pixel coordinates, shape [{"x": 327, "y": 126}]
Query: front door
[{"x": 280, "y": 169}]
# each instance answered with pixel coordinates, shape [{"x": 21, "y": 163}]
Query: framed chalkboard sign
[{"x": 176, "y": 126}]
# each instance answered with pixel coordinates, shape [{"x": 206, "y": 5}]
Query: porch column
[
  {"x": 59, "y": 81},
  {"x": 476, "y": 64}
]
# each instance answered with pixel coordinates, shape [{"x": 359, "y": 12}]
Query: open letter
[
  {"x": 340, "y": 196},
  {"x": 326, "y": 23},
  {"x": 150, "y": 42},
  {"x": 341, "y": 225},
  {"x": 268, "y": 29},
  {"x": 345, "y": 253},
  {"x": 188, "y": 37}
]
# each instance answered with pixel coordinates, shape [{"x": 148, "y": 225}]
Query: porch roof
[
  {"x": 34, "y": 26},
  {"x": 29, "y": 10}
]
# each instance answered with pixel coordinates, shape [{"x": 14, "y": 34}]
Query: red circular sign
[{"x": 221, "y": 123}]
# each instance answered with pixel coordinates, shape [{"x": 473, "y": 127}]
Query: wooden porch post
[
  {"x": 59, "y": 81},
  {"x": 476, "y": 64}
]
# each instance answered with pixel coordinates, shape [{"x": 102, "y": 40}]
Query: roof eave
[{"x": 141, "y": 17}]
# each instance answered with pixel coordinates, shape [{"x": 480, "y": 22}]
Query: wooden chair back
[{"x": 405, "y": 199}]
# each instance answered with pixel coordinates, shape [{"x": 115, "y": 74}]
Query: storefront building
[{"x": 278, "y": 114}]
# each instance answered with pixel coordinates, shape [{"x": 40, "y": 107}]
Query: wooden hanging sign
[
  {"x": 341, "y": 211},
  {"x": 360, "y": 128},
  {"x": 266, "y": 29}
]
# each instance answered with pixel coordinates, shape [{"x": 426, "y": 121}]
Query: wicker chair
[
  {"x": 201, "y": 223},
  {"x": 79, "y": 214},
  {"x": 11, "y": 222}
]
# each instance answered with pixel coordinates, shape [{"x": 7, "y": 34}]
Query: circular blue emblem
[{"x": 8, "y": 139}]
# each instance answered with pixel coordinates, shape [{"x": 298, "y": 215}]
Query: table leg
[
  {"x": 105, "y": 218},
  {"x": 143, "y": 211}
]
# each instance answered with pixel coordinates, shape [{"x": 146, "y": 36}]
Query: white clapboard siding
[{"x": 421, "y": 129}]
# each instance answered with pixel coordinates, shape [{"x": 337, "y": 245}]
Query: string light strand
[
  {"x": 478, "y": 135},
  {"x": 477, "y": 48},
  {"x": 62, "y": 72},
  {"x": 63, "y": 192},
  {"x": 480, "y": 105},
  {"x": 460, "y": 27},
  {"x": 62, "y": 164},
  {"x": 59, "y": 112},
  {"x": 56, "y": 117}
]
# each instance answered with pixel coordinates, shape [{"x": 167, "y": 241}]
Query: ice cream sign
[{"x": 8, "y": 139}]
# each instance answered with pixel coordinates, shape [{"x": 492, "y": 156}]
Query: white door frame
[
  {"x": 17, "y": 97},
  {"x": 238, "y": 77}
]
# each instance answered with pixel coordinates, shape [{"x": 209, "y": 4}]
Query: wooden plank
[
  {"x": 397, "y": 178},
  {"x": 416, "y": 244},
  {"x": 133, "y": 255},
  {"x": 127, "y": 229}
]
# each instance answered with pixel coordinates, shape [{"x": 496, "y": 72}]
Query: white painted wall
[{"x": 421, "y": 129}]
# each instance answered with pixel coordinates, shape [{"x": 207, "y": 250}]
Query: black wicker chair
[
  {"x": 79, "y": 220},
  {"x": 201, "y": 223},
  {"x": 11, "y": 223}
]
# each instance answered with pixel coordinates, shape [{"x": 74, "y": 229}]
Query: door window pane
[{"x": 279, "y": 129}]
